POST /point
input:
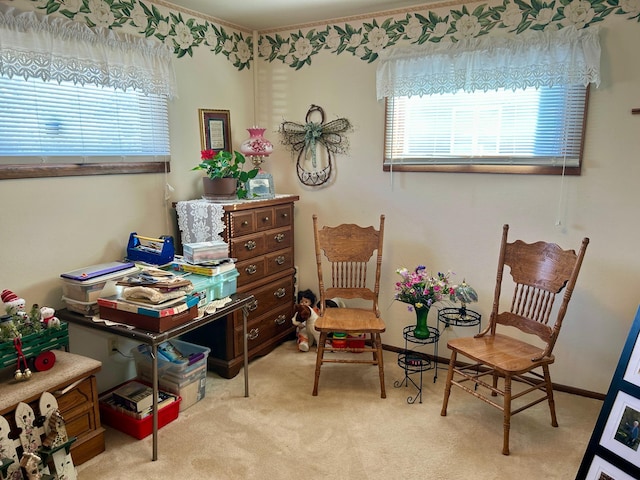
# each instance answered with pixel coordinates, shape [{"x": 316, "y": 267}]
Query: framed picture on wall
[
  {"x": 215, "y": 130},
  {"x": 613, "y": 451},
  {"x": 621, "y": 433},
  {"x": 602, "y": 470},
  {"x": 632, "y": 374}
]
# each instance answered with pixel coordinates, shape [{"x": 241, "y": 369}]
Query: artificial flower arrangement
[
  {"x": 420, "y": 289},
  {"x": 224, "y": 164}
]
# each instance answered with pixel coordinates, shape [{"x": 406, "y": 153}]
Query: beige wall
[{"x": 445, "y": 221}]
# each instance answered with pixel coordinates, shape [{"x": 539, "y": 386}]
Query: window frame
[
  {"x": 464, "y": 167},
  {"x": 15, "y": 171}
]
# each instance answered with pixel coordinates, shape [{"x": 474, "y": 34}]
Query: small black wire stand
[
  {"x": 414, "y": 363},
  {"x": 458, "y": 317}
]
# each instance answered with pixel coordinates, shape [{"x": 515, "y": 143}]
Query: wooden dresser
[
  {"x": 260, "y": 234},
  {"x": 71, "y": 380}
]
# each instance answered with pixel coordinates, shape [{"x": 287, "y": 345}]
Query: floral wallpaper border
[{"x": 362, "y": 40}]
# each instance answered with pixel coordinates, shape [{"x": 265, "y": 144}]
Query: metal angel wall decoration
[{"x": 305, "y": 139}]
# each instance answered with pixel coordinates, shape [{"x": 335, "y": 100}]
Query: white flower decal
[
  {"x": 467, "y": 27},
  {"x": 138, "y": 17},
  {"x": 578, "y": 13},
  {"x": 74, "y": 5},
  {"x": 184, "y": 38},
  {"x": 244, "y": 53},
  {"x": 228, "y": 45},
  {"x": 210, "y": 37},
  {"x": 265, "y": 49},
  {"x": 440, "y": 30},
  {"x": 378, "y": 39},
  {"x": 303, "y": 48},
  {"x": 163, "y": 28},
  {"x": 545, "y": 15},
  {"x": 284, "y": 49},
  {"x": 333, "y": 40},
  {"x": 100, "y": 13},
  {"x": 512, "y": 16},
  {"x": 413, "y": 29},
  {"x": 355, "y": 40},
  {"x": 630, "y": 6}
]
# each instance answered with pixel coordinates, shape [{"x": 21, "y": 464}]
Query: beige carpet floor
[{"x": 348, "y": 431}]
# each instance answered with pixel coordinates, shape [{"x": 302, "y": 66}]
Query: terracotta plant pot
[{"x": 219, "y": 188}]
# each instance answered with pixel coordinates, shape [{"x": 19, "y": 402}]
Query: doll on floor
[{"x": 304, "y": 319}]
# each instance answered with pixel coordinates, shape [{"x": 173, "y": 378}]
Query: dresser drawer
[
  {"x": 268, "y": 298},
  {"x": 248, "y": 246},
  {"x": 278, "y": 261},
  {"x": 278, "y": 239},
  {"x": 283, "y": 215},
  {"x": 241, "y": 223},
  {"x": 258, "y": 220},
  {"x": 264, "y": 328},
  {"x": 250, "y": 271}
]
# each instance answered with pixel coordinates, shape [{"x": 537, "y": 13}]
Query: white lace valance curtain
[
  {"x": 530, "y": 59},
  {"x": 58, "y": 49}
]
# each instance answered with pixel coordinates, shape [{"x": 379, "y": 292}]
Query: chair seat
[
  {"x": 500, "y": 352},
  {"x": 349, "y": 320}
]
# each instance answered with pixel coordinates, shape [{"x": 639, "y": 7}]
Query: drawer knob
[
  {"x": 244, "y": 223},
  {"x": 285, "y": 215},
  {"x": 253, "y": 306},
  {"x": 281, "y": 319},
  {"x": 253, "y": 333},
  {"x": 251, "y": 269},
  {"x": 250, "y": 245},
  {"x": 281, "y": 292},
  {"x": 280, "y": 259},
  {"x": 265, "y": 219},
  {"x": 279, "y": 237}
]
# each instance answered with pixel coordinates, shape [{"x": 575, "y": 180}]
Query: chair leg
[
  {"x": 447, "y": 386},
  {"x": 507, "y": 414},
  {"x": 495, "y": 384},
  {"x": 319, "y": 357},
  {"x": 549, "y": 386},
  {"x": 380, "y": 361}
]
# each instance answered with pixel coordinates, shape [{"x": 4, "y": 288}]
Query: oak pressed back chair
[
  {"x": 349, "y": 258},
  {"x": 538, "y": 273}
]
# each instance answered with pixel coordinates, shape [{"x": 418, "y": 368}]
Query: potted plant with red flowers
[{"x": 226, "y": 177}]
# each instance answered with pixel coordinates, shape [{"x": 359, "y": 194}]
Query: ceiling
[{"x": 274, "y": 14}]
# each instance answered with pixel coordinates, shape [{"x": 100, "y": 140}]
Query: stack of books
[
  {"x": 208, "y": 269},
  {"x": 155, "y": 300},
  {"x": 135, "y": 399}
]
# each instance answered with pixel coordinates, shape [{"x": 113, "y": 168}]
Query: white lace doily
[{"x": 200, "y": 221}]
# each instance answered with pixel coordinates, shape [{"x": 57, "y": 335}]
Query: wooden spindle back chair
[
  {"x": 539, "y": 272},
  {"x": 352, "y": 257}
]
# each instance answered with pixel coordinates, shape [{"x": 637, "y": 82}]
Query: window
[
  {"x": 44, "y": 123},
  {"x": 81, "y": 101},
  {"x": 502, "y": 131}
]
